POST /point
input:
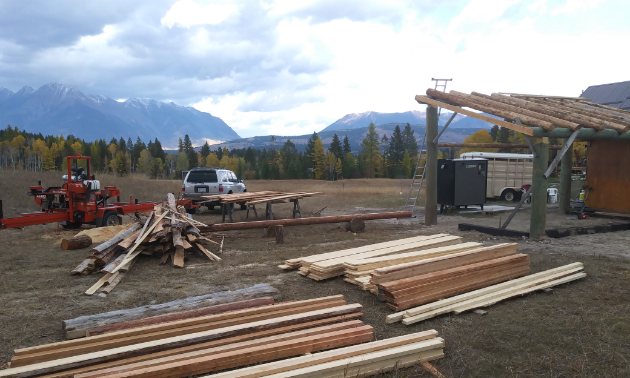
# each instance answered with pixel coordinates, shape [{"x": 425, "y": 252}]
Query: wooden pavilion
[{"x": 540, "y": 118}]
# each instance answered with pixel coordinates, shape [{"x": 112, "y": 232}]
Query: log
[
  {"x": 115, "y": 240},
  {"x": 471, "y": 102},
  {"x": 84, "y": 268},
  {"x": 355, "y": 225},
  {"x": 78, "y": 242},
  {"x": 302, "y": 221},
  {"x": 279, "y": 234},
  {"x": 78, "y": 327}
]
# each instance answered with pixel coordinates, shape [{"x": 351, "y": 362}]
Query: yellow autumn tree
[
  {"x": 319, "y": 157},
  {"x": 479, "y": 136}
]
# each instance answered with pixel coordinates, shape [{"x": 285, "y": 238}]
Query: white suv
[{"x": 208, "y": 181}]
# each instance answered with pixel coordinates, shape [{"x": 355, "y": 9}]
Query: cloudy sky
[{"x": 289, "y": 67}]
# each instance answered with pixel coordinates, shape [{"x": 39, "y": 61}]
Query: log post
[
  {"x": 430, "y": 178},
  {"x": 270, "y": 231},
  {"x": 355, "y": 225},
  {"x": 78, "y": 242},
  {"x": 564, "y": 195},
  {"x": 279, "y": 234},
  {"x": 538, "y": 215}
]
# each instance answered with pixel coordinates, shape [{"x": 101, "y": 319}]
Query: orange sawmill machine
[{"x": 80, "y": 200}]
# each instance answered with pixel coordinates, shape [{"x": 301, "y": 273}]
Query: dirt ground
[{"x": 581, "y": 329}]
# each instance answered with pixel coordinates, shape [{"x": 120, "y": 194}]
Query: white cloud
[
  {"x": 575, "y": 6},
  {"x": 187, "y": 13}
]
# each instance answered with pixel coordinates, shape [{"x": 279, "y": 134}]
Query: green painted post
[
  {"x": 564, "y": 196},
  {"x": 430, "y": 177},
  {"x": 538, "y": 215}
]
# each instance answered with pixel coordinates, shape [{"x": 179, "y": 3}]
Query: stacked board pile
[
  {"x": 186, "y": 344},
  {"x": 491, "y": 294},
  {"x": 253, "y": 198},
  {"x": 167, "y": 231},
  {"x": 328, "y": 265}
]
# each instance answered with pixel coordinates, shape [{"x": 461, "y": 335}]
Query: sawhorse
[{"x": 226, "y": 208}]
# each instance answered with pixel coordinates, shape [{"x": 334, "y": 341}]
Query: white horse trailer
[{"x": 507, "y": 173}]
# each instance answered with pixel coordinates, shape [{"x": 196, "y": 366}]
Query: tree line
[{"x": 379, "y": 156}]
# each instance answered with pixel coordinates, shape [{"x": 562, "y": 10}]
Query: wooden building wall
[{"x": 608, "y": 173}]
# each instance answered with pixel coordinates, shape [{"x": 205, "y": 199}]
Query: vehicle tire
[
  {"x": 508, "y": 195},
  {"x": 243, "y": 206},
  {"x": 210, "y": 207},
  {"x": 110, "y": 218}
]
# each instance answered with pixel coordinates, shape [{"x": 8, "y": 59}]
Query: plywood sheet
[{"x": 608, "y": 173}]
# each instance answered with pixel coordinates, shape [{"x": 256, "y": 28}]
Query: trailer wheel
[
  {"x": 508, "y": 195},
  {"x": 110, "y": 218}
]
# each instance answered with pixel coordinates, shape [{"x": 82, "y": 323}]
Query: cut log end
[
  {"x": 78, "y": 242},
  {"x": 356, "y": 225}
]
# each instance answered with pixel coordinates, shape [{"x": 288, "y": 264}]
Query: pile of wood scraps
[
  {"x": 184, "y": 345},
  {"x": 167, "y": 232},
  {"x": 491, "y": 294}
]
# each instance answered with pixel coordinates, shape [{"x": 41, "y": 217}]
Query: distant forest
[{"x": 393, "y": 157}]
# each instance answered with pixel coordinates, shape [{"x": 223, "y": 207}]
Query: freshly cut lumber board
[
  {"x": 244, "y": 353},
  {"x": 477, "y": 298},
  {"x": 295, "y": 263},
  {"x": 172, "y": 342},
  {"x": 77, "y": 327},
  {"x": 212, "y": 310},
  {"x": 101, "y": 234},
  {"x": 350, "y": 367},
  {"x": 416, "y": 268},
  {"x": 210, "y": 344},
  {"x": 323, "y": 357},
  {"x": 171, "y": 329}
]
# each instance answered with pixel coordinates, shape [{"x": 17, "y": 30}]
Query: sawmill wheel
[{"x": 111, "y": 218}]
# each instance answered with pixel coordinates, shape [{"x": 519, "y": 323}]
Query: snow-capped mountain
[{"x": 57, "y": 109}]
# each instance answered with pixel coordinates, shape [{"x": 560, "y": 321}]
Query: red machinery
[{"x": 80, "y": 200}]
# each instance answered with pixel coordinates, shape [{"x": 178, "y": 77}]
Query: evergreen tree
[
  {"x": 129, "y": 144},
  {"x": 503, "y": 137},
  {"x": 406, "y": 165},
  {"x": 122, "y": 145},
  {"x": 348, "y": 166},
  {"x": 289, "y": 153},
  {"x": 310, "y": 148},
  {"x": 319, "y": 157},
  {"x": 219, "y": 153},
  {"x": 250, "y": 157},
  {"x": 190, "y": 152},
  {"x": 180, "y": 145},
  {"x": 370, "y": 152},
  {"x": 205, "y": 150},
  {"x": 409, "y": 141},
  {"x": 494, "y": 132},
  {"x": 335, "y": 147},
  {"x": 346, "y": 146}
]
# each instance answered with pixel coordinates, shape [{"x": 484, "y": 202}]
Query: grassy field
[{"x": 577, "y": 330}]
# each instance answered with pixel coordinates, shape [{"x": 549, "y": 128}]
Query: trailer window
[{"x": 203, "y": 176}]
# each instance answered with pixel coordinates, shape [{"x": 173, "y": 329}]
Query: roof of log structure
[{"x": 520, "y": 112}]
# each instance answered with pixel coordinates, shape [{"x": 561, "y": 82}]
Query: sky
[{"x": 288, "y": 67}]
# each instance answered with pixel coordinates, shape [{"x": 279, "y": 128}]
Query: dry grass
[{"x": 578, "y": 330}]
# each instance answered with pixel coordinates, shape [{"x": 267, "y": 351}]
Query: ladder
[{"x": 418, "y": 177}]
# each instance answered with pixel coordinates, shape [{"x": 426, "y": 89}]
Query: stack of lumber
[
  {"x": 167, "y": 232},
  {"x": 253, "y": 198},
  {"x": 331, "y": 264},
  {"x": 203, "y": 344},
  {"x": 359, "y": 271},
  {"x": 82, "y": 326},
  {"x": 408, "y": 292},
  {"x": 353, "y": 361},
  {"x": 491, "y": 294}
]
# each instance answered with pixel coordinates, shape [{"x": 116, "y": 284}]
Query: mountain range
[{"x": 55, "y": 109}]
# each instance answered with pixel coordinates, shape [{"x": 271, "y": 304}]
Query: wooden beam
[
  {"x": 492, "y": 230},
  {"x": 431, "y": 165},
  {"x": 538, "y": 215},
  {"x": 491, "y": 145},
  {"x": 495, "y": 121}
]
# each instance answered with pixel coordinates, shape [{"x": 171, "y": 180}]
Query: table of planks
[{"x": 251, "y": 199}]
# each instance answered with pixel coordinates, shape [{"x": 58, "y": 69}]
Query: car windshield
[{"x": 202, "y": 176}]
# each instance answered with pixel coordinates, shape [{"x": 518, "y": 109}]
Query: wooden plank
[
  {"x": 234, "y": 316},
  {"x": 210, "y": 255},
  {"x": 491, "y": 120},
  {"x": 212, "y": 310},
  {"x": 210, "y": 344},
  {"x": 132, "y": 253},
  {"x": 492, "y": 230},
  {"x": 81, "y": 324},
  {"x": 323, "y": 357},
  {"x": 178, "y": 259},
  {"x": 351, "y": 367},
  {"x": 172, "y": 342},
  {"x": 286, "y": 196},
  {"x": 406, "y": 270},
  {"x": 201, "y": 358},
  {"x": 103, "y": 234},
  {"x": 98, "y": 284}
]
